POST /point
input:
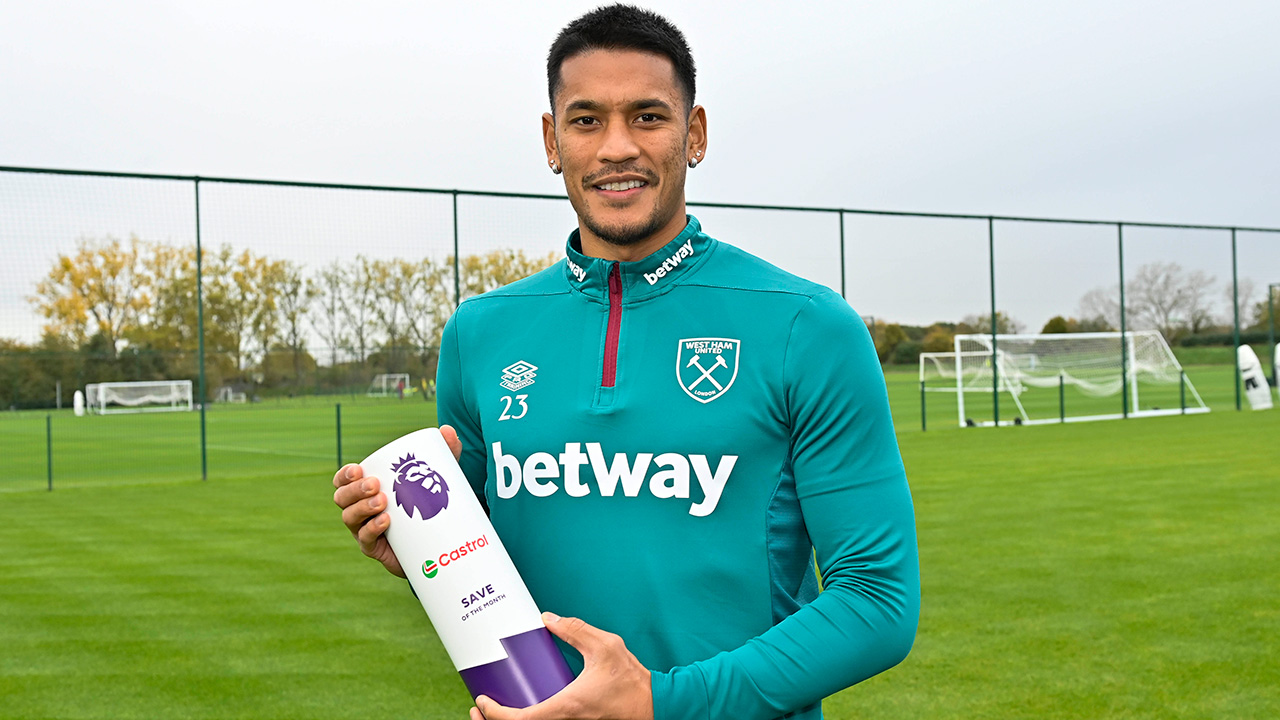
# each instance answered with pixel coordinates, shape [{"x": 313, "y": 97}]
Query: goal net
[
  {"x": 1064, "y": 377},
  {"x": 389, "y": 385},
  {"x": 136, "y": 397}
]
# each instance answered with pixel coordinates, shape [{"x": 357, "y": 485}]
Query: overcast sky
[{"x": 1144, "y": 111}]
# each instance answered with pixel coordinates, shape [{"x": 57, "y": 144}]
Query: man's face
[{"x": 623, "y": 138}]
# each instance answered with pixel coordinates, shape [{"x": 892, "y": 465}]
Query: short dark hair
[{"x": 622, "y": 27}]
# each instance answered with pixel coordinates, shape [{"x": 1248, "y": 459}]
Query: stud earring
[
  {"x": 693, "y": 163},
  {"x": 555, "y": 169}
]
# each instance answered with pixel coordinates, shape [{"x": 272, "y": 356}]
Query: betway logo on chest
[
  {"x": 543, "y": 474},
  {"x": 671, "y": 263}
]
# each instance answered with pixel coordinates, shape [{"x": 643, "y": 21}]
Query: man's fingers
[
  {"x": 351, "y": 493},
  {"x": 347, "y": 474},
  {"x": 489, "y": 709},
  {"x": 371, "y": 532},
  {"x": 584, "y": 638},
  {"x": 451, "y": 438},
  {"x": 356, "y": 515}
]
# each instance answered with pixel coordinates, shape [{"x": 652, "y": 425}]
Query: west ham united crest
[{"x": 707, "y": 367}]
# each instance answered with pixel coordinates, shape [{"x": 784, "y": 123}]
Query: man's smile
[{"x": 619, "y": 186}]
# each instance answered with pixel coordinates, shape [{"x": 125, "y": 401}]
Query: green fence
[{"x": 280, "y": 301}]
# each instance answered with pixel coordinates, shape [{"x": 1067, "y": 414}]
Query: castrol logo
[{"x": 431, "y": 568}]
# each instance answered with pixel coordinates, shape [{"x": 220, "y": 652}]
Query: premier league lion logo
[{"x": 419, "y": 487}]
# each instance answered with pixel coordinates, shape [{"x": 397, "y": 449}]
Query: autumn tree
[
  {"x": 330, "y": 289},
  {"x": 241, "y": 294},
  {"x": 100, "y": 289},
  {"x": 357, "y": 306},
  {"x": 400, "y": 298},
  {"x": 939, "y": 338},
  {"x": 296, "y": 294},
  {"x": 887, "y": 338},
  {"x": 171, "y": 321},
  {"x": 478, "y": 274}
]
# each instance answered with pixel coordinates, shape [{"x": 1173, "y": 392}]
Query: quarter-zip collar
[{"x": 644, "y": 278}]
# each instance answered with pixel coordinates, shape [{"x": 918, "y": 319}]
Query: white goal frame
[
  {"x": 1012, "y": 380},
  {"x": 386, "y": 384},
  {"x": 150, "y": 396}
]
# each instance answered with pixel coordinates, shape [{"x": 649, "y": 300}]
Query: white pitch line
[
  {"x": 259, "y": 451},
  {"x": 73, "y": 485}
]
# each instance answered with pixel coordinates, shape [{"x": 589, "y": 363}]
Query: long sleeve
[
  {"x": 856, "y": 505},
  {"x": 455, "y": 407}
]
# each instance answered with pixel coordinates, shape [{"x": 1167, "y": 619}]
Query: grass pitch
[{"x": 1120, "y": 569}]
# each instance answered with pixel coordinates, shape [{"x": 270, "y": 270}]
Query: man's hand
[
  {"x": 364, "y": 507},
  {"x": 613, "y": 683}
]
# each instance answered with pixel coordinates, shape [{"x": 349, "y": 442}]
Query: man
[{"x": 683, "y": 507}]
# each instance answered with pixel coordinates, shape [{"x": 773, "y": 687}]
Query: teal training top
[{"x": 666, "y": 445}]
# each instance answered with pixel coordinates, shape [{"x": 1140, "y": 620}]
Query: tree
[
  {"x": 1199, "y": 314},
  {"x": 330, "y": 286},
  {"x": 888, "y": 337},
  {"x": 1242, "y": 296},
  {"x": 478, "y": 274},
  {"x": 357, "y": 306},
  {"x": 938, "y": 338},
  {"x": 1164, "y": 297},
  {"x": 981, "y": 324},
  {"x": 1260, "y": 315},
  {"x": 241, "y": 293},
  {"x": 296, "y": 295},
  {"x": 394, "y": 284},
  {"x": 171, "y": 321},
  {"x": 1102, "y": 306},
  {"x": 1057, "y": 324},
  {"x": 100, "y": 289},
  {"x": 1160, "y": 296}
]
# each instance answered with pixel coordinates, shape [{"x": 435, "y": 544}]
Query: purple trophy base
[{"x": 533, "y": 671}]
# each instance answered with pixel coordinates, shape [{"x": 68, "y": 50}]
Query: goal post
[
  {"x": 110, "y": 398},
  {"x": 228, "y": 394},
  {"x": 1067, "y": 377},
  {"x": 968, "y": 371},
  {"x": 390, "y": 385}
]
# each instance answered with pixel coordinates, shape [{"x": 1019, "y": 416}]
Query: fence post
[
  {"x": 1271, "y": 327},
  {"x": 842, "y": 270},
  {"x": 338, "y": 408},
  {"x": 1182, "y": 390},
  {"x": 48, "y": 447},
  {"x": 1062, "y": 398},
  {"x": 457, "y": 273},
  {"x": 1124, "y": 337},
  {"x": 923, "y": 426},
  {"x": 995, "y": 365},
  {"x": 1235, "y": 309},
  {"x": 204, "y": 446}
]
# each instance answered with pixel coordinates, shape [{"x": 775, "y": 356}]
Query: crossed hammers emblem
[{"x": 706, "y": 372}]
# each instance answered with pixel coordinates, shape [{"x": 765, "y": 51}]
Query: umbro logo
[{"x": 518, "y": 375}]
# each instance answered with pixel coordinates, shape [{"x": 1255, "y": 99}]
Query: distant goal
[
  {"x": 1067, "y": 377},
  {"x": 110, "y": 398},
  {"x": 390, "y": 385}
]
